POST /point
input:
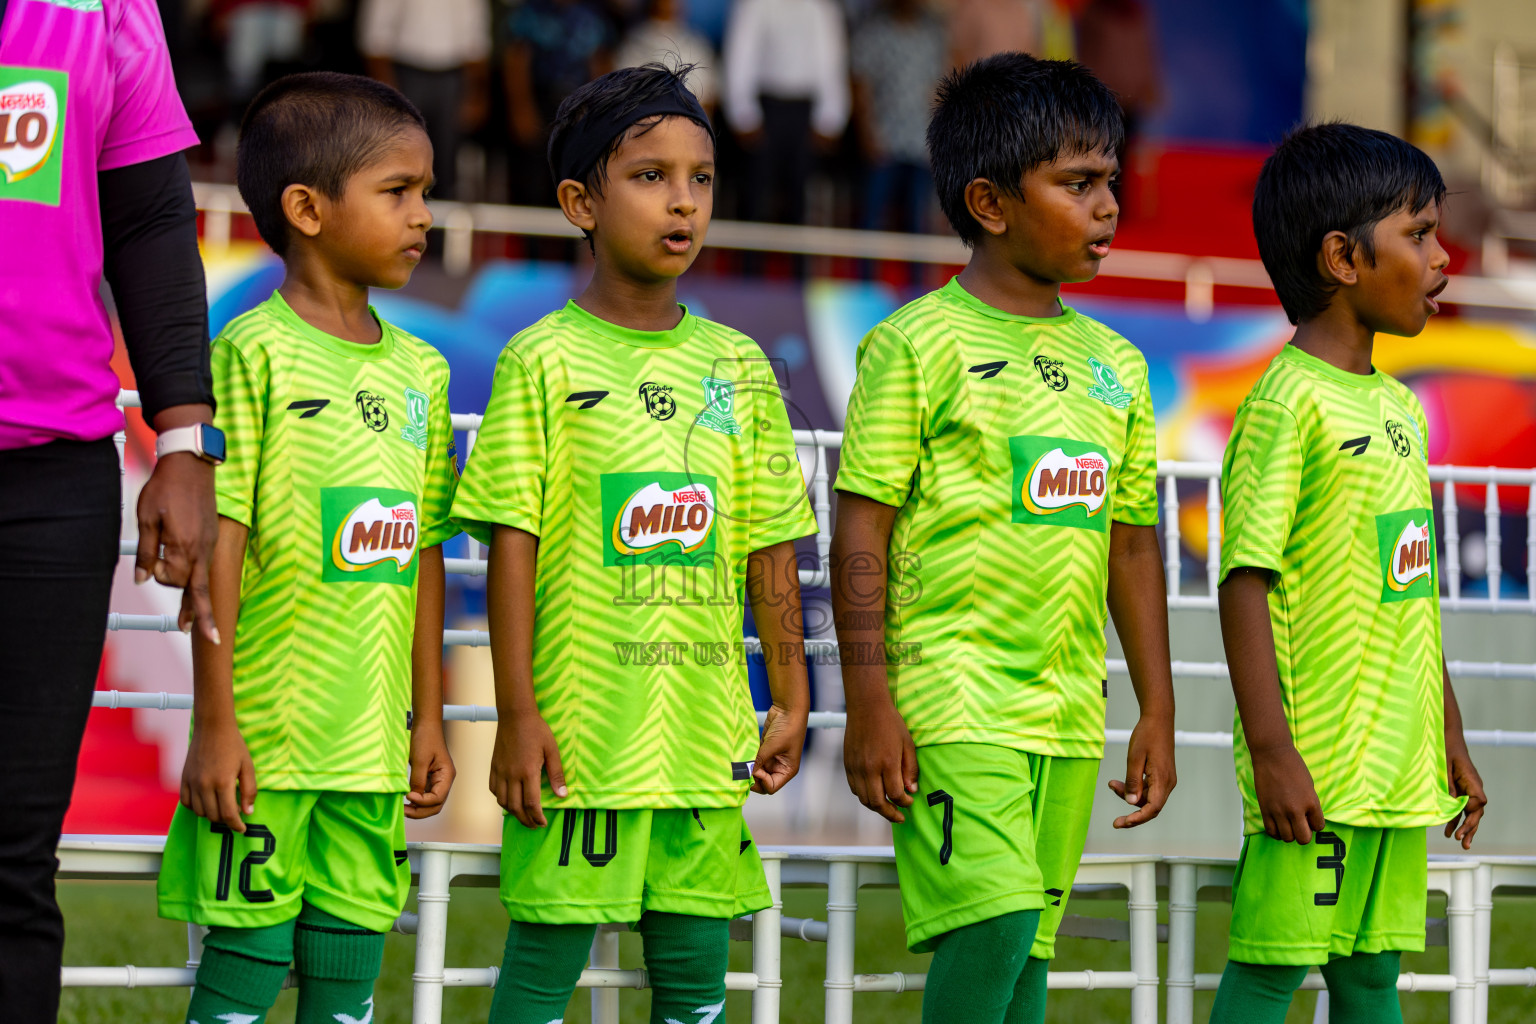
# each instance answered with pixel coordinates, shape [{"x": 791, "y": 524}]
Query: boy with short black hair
[
  {"x": 999, "y": 472},
  {"x": 327, "y": 577},
  {"x": 1347, "y": 727},
  {"x": 634, "y": 474}
]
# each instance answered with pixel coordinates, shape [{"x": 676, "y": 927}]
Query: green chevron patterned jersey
[
  {"x": 1009, "y": 443},
  {"x": 341, "y": 463},
  {"x": 1326, "y": 485},
  {"x": 649, "y": 465}
]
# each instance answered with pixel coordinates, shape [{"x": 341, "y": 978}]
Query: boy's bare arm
[
  {"x": 525, "y": 747},
  {"x": 432, "y": 770},
  {"x": 1138, "y": 604},
  {"x": 218, "y": 763},
  {"x": 773, "y": 588},
  {"x": 1282, "y": 784},
  {"x": 878, "y": 754},
  {"x": 1463, "y": 775}
]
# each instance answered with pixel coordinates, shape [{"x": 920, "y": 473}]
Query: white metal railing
[
  {"x": 1200, "y": 275},
  {"x": 1468, "y": 884}
]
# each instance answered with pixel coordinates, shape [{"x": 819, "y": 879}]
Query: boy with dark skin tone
[
  {"x": 922, "y": 490},
  {"x": 609, "y": 516},
  {"x": 1291, "y": 491},
  {"x": 333, "y": 508}
]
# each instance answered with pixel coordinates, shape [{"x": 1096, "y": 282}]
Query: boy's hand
[
  {"x": 1465, "y": 782},
  {"x": 432, "y": 770},
  {"x": 218, "y": 764},
  {"x": 778, "y": 755},
  {"x": 880, "y": 759},
  {"x": 1287, "y": 799},
  {"x": 525, "y": 749},
  {"x": 1149, "y": 771}
]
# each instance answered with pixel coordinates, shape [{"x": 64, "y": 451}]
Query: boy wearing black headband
[{"x": 635, "y": 474}]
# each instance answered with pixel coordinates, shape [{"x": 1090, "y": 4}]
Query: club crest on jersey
[
  {"x": 719, "y": 406},
  {"x": 1407, "y": 548},
  {"x": 32, "y": 105},
  {"x": 1059, "y": 481},
  {"x": 416, "y": 406},
  {"x": 658, "y": 518},
  {"x": 371, "y": 534},
  {"x": 1107, "y": 387}
]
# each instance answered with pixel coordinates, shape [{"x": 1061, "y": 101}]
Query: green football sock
[
  {"x": 338, "y": 962},
  {"x": 539, "y": 971},
  {"x": 1255, "y": 993},
  {"x": 976, "y": 969},
  {"x": 1362, "y": 989},
  {"x": 241, "y": 972},
  {"x": 685, "y": 957},
  {"x": 1028, "y": 1006}
]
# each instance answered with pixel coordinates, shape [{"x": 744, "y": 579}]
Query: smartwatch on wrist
[{"x": 204, "y": 440}]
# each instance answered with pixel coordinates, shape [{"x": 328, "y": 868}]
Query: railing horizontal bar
[
  {"x": 601, "y": 977},
  {"x": 1313, "y": 982},
  {"x": 1518, "y": 977}
]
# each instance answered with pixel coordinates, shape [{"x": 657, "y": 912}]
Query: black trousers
[
  {"x": 60, "y": 513},
  {"x": 439, "y": 95},
  {"x": 778, "y": 170}
]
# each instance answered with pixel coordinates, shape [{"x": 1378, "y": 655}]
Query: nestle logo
[
  {"x": 403, "y": 514},
  {"x": 682, "y": 497},
  {"x": 1091, "y": 463}
]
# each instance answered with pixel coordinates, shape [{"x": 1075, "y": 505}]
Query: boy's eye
[
  {"x": 1078, "y": 186},
  {"x": 650, "y": 175},
  {"x": 702, "y": 178}
]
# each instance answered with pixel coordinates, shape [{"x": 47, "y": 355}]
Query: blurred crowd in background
[{"x": 821, "y": 105}]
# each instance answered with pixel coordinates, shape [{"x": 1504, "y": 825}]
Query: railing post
[
  {"x": 1182, "y": 910},
  {"x": 1460, "y": 914},
  {"x": 431, "y": 936},
  {"x": 605, "y": 955},
  {"x": 766, "y": 944},
  {"x": 1171, "y": 533},
  {"x": 1142, "y": 910},
  {"x": 1452, "y": 551},
  {"x": 1482, "y": 920},
  {"x": 842, "y": 913},
  {"x": 1492, "y": 543}
]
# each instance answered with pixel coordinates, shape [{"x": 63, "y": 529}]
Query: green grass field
[{"x": 115, "y": 923}]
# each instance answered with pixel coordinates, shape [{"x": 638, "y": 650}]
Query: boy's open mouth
[
  {"x": 1100, "y": 247},
  {"x": 678, "y": 242},
  {"x": 1430, "y": 298}
]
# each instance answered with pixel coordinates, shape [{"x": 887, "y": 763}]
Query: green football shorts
[
  {"x": 594, "y": 866},
  {"x": 991, "y": 831},
  {"x": 343, "y": 853},
  {"x": 1351, "y": 890}
]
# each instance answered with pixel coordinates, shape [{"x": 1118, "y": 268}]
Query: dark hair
[
  {"x": 620, "y": 98},
  {"x": 317, "y": 129},
  {"x": 1008, "y": 113},
  {"x": 1332, "y": 177}
]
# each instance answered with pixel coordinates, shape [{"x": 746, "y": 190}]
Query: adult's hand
[{"x": 179, "y": 523}]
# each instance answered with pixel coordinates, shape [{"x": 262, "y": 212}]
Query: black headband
[{"x": 574, "y": 152}]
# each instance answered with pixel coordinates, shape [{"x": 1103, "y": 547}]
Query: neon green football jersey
[
  {"x": 1325, "y": 484},
  {"x": 649, "y": 465},
  {"x": 341, "y": 464},
  {"x": 1008, "y": 444}
]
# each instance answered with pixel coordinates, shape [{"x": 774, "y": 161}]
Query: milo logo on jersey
[
  {"x": 1060, "y": 482},
  {"x": 32, "y": 102},
  {"x": 1406, "y": 542},
  {"x": 369, "y": 535},
  {"x": 658, "y": 519}
]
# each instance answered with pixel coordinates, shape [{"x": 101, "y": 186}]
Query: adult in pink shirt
[{"x": 92, "y": 181}]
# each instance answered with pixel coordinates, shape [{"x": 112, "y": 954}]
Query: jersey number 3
[{"x": 1333, "y": 862}]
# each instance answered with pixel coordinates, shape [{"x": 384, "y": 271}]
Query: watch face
[{"x": 213, "y": 443}]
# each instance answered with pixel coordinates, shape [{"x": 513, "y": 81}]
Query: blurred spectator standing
[
  {"x": 664, "y": 36},
  {"x": 553, "y": 46},
  {"x": 786, "y": 93},
  {"x": 1116, "y": 39},
  {"x": 898, "y": 56},
  {"x": 258, "y": 33},
  {"x": 436, "y": 52},
  {"x": 980, "y": 28}
]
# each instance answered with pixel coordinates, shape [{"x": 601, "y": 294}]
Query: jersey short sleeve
[
  {"x": 511, "y": 443},
  {"x": 1135, "y": 499},
  {"x": 888, "y": 417},
  {"x": 239, "y": 389},
  {"x": 442, "y": 470},
  {"x": 1260, "y": 484},
  {"x": 779, "y": 509},
  {"x": 148, "y": 119}
]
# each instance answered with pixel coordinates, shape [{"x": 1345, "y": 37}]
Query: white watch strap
[{"x": 177, "y": 439}]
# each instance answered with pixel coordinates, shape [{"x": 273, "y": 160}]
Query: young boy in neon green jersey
[
  {"x": 1347, "y": 728},
  {"x": 635, "y": 473},
  {"x": 999, "y": 472},
  {"x": 327, "y": 578}
]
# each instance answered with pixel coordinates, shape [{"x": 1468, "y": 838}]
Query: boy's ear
[
  {"x": 985, "y": 205},
  {"x": 302, "y": 208},
  {"x": 576, "y": 203},
  {"x": 1336, "y": 259}
]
